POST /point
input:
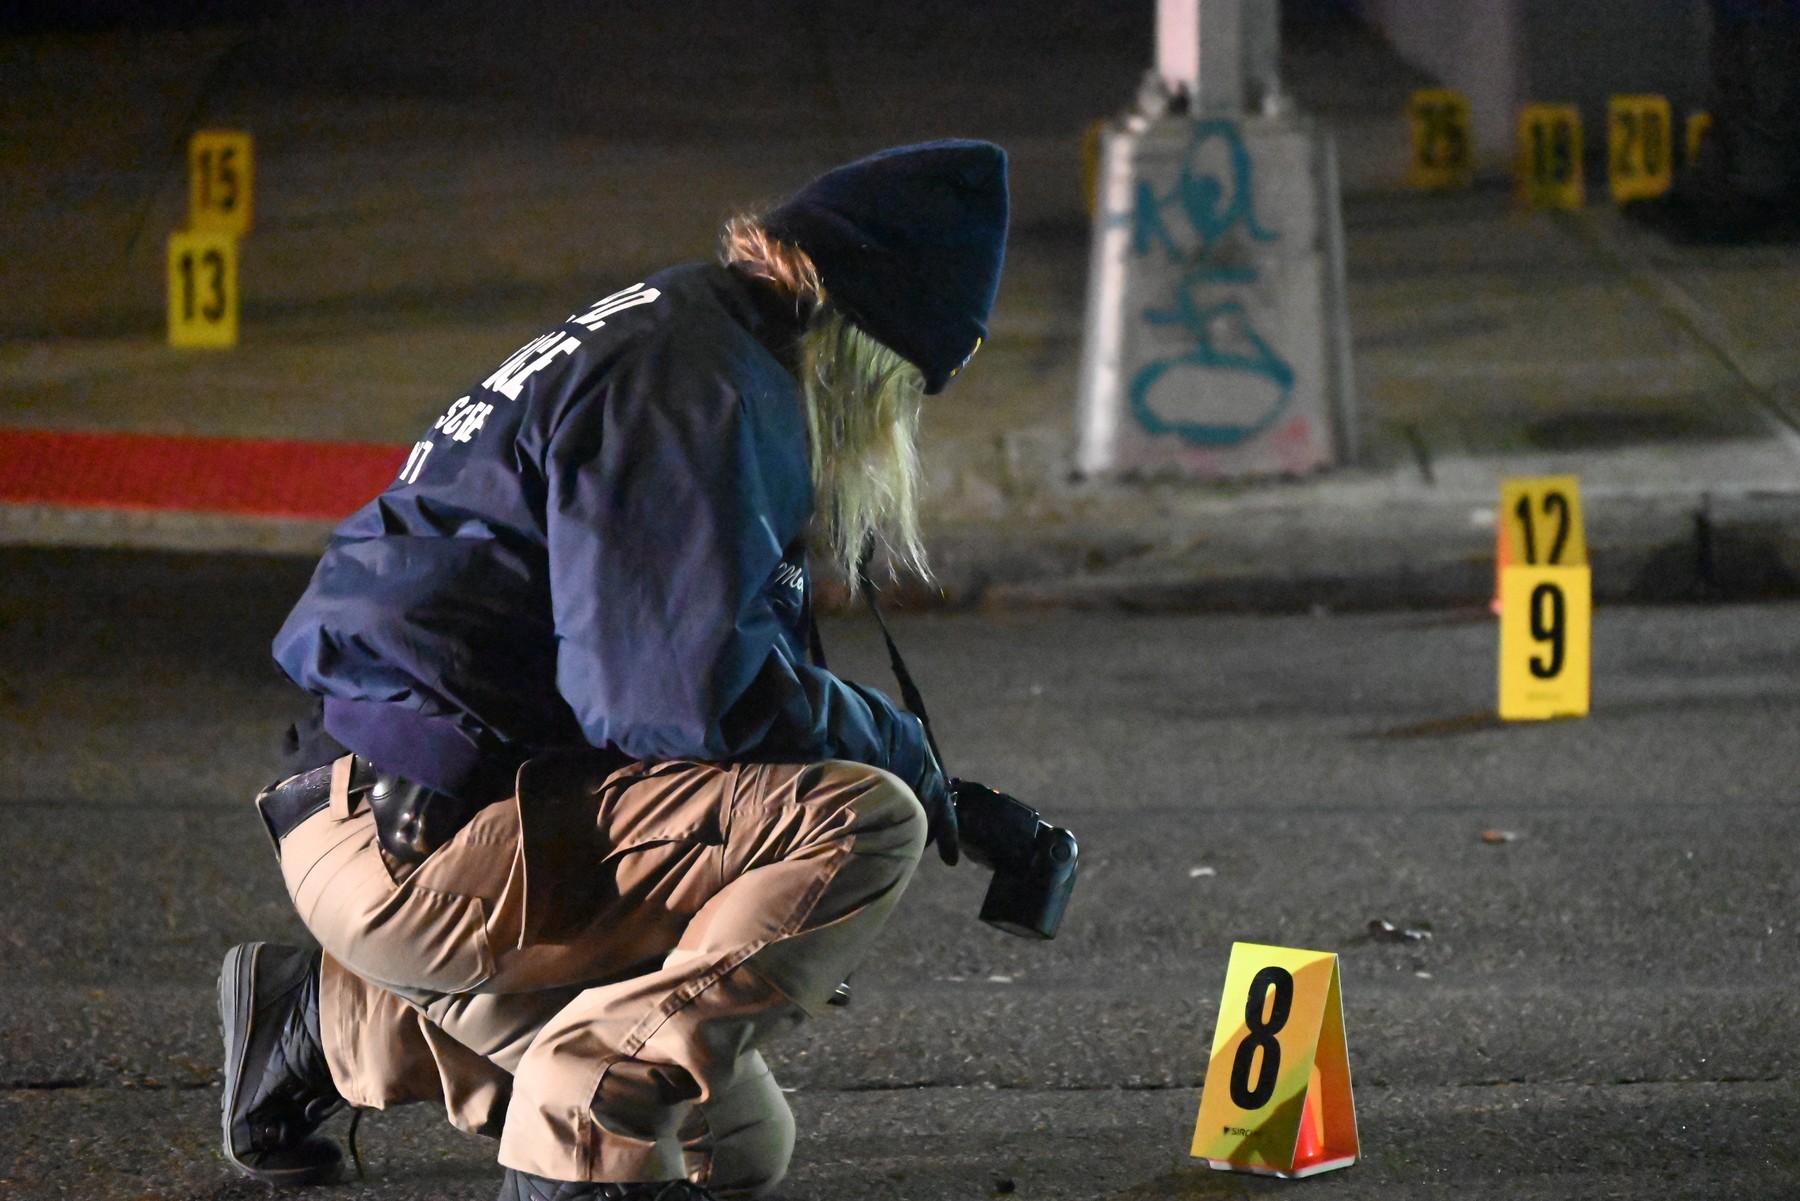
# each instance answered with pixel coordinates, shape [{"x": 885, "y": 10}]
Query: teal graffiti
[
  {"x": 1200, "y": 200},
  {"x": 1186, "y": 224},
  {"x": 1200, "y": 321}
]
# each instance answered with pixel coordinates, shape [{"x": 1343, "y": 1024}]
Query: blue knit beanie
[{"x": 909, "y": 244}]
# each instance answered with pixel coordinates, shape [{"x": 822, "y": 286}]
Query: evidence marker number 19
[{"x": 1549, "y": 157}]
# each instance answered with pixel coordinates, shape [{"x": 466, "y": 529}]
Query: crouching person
[{"x": 581, "y": 821}]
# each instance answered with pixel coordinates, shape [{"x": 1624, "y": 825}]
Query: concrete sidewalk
[{"x": 429, "y": 197}]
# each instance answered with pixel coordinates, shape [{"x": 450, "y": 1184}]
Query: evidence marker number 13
[{"x": 203, "y": 290}]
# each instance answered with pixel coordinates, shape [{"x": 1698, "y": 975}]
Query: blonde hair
[
  {"x": 745, "y": 244},
  {"x": 862, "y": 414}
]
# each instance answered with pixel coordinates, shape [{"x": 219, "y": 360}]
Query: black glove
[{"x": 940, "y": 810}]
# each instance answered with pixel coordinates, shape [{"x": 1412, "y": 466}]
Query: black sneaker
[
  {"x": 522, "y": 1186},
  {"x": 278, "y": 1088}
]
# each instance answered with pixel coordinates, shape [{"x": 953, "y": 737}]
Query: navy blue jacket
[{"x": 604, "y": 541}]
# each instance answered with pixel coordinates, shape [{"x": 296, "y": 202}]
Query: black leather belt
[{"x": 285, "y": 805}]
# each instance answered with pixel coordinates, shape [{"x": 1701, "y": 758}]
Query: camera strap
[{"x": 909, "y": 691}]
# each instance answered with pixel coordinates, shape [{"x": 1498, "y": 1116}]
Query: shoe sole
[{"x": 237, "y": 1017}]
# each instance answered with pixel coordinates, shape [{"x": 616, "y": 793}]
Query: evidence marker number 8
[
  {"x": 1276, "y": 1100},
  {"x": 1273, "y": 987}
]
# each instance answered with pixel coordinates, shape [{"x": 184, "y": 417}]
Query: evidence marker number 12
[{"x": 1542, "y": 522}]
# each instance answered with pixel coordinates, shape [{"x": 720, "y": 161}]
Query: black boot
[
  {"x": 277, "y": 1085},
  {"x": 522, "y": 1186}
]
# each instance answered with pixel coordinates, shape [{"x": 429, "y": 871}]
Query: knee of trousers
[
  {"x": 885, "y": 816},
  {"x": 756, "y": 1158},
  {"x": 739, "y": 1143}
]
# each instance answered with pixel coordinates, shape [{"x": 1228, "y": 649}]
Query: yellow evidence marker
[
  {"x": 1276, "y": 1100},
  {"x": 203, "y": 290},
  {"x": 1549, "y": 158},
  {"x": 1442, "y": 149},
  {"x": 221, "y": 175},
  {"x": 1699, "y": 127},
  {"x": 1639, "y": 147},
  {"x": 1538, "y": 524},
  {"x": 1541, "y": 521},
  {"x": 1546, "y": 624}
]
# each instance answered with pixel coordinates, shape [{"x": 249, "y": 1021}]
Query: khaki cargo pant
[{"x": 587, "y": 969}]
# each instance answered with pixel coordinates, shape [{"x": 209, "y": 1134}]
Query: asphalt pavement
[{"x": 1604, "y": 1005}]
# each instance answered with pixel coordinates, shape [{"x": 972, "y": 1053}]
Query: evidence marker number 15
[{"x": 221, "y": 181}]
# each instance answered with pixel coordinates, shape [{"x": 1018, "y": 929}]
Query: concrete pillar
[
  {"x": 1262, "y": 57},
  {"x": 1178, "y": 46},
  {"x": 1219, "y": 54},
  {"x": 1216, "y": 343},
  {"x": 1221, "y": 88}
]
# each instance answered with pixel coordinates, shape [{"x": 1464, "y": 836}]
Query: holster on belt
[{"x": 412, "y": 821}]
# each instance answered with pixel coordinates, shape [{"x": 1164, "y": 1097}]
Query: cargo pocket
[
  {"x": 668, "y": 876},
  {"x": 645, "y": 838},
  {"x": 663, "y": 829},
  {"x": 430, "y": 941},
  {"x": 405, "y": 937}
]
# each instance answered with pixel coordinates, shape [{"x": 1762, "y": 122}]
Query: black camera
[{"x": 1033, "y": 862}]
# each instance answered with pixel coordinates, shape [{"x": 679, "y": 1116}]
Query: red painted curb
[{"x": 157, "y": 472}]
